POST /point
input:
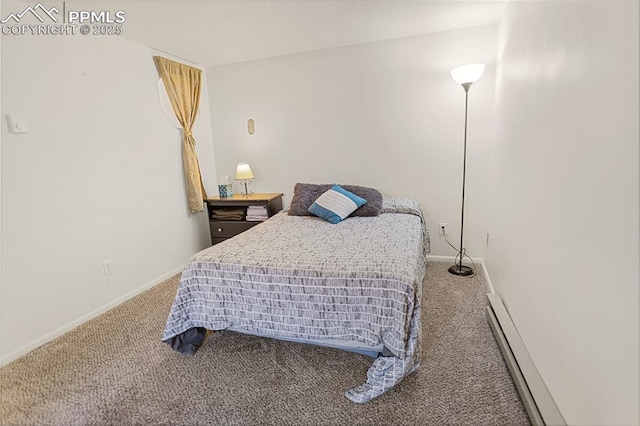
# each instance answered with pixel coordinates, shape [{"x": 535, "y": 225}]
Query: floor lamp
[{"x": 465, "y": 76}]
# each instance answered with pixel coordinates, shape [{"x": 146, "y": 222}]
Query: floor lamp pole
[{"x": 459, "y": 268}]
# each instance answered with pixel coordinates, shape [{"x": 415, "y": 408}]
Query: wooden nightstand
[{"x": 225, "y": 229}]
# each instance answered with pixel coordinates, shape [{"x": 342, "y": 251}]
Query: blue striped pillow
[{"x": 336, "y": 204}]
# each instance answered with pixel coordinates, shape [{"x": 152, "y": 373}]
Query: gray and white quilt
[{"x": 301, "y": 278}]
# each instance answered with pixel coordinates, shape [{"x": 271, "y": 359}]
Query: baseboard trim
[
  {"x": 84, "y": 318},
  {"x": 537, "y": 399},
  {"x": 488, "y": 278},
  {"x": 436, "y": 258}
]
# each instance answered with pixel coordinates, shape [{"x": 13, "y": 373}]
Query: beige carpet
[{"x": 115, "y": 370}]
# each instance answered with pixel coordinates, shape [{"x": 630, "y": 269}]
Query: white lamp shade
[
  {"x": 243, "y": 171},
  {"x": 467, "y": 73}
]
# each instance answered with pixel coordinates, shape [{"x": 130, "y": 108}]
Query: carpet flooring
[{"x": 115, "y": 370}]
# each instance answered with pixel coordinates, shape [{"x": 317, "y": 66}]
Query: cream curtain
[{"x": 182, "y": 83}]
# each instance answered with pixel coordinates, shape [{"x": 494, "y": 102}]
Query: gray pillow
[{"x": 304, "y": 194}]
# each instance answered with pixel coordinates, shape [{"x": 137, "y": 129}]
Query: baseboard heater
[{"x": 537, "y": 400}]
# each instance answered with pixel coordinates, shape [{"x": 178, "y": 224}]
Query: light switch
[
  {"x": 251, "y": 126},
  {"x": 17, "y": 123}
]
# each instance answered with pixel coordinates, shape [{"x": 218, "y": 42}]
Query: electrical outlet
[
  {"x": 443, "y": 229},
  {"x": 106, "y": 265}
]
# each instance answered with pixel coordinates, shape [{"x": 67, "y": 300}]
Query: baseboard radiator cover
[{"x": 537, "y": 399}]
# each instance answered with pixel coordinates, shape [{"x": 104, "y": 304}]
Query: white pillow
[{"x": 336, "y": 204}]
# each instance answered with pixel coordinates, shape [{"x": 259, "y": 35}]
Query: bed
[{"x": 356, "y": 286}]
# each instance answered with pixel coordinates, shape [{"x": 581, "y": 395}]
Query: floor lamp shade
[
  {"x": 467, "y": 73},
  {"x": 465, "y": 76}
]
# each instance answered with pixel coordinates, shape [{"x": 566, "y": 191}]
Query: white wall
[
  {"x": 99, "y": 176},
  {"x": 385, "y": 115},
  {"x": 564, "y": 238}
]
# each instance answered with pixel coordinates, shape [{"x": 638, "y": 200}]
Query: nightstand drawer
[{"x": 222, "y": 229}]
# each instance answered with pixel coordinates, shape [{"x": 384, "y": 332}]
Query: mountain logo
[{"x": 38, "y": 10}]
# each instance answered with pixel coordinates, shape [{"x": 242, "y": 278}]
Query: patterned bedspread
[{"x": 303, "y": 278}]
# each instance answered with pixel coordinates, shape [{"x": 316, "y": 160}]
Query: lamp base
[
  {"x": 246, "y": 192},
  {"x": 461, "y": 270}
]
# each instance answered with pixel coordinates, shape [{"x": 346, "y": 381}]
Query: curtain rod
[{"x": 177, "y": 56}]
